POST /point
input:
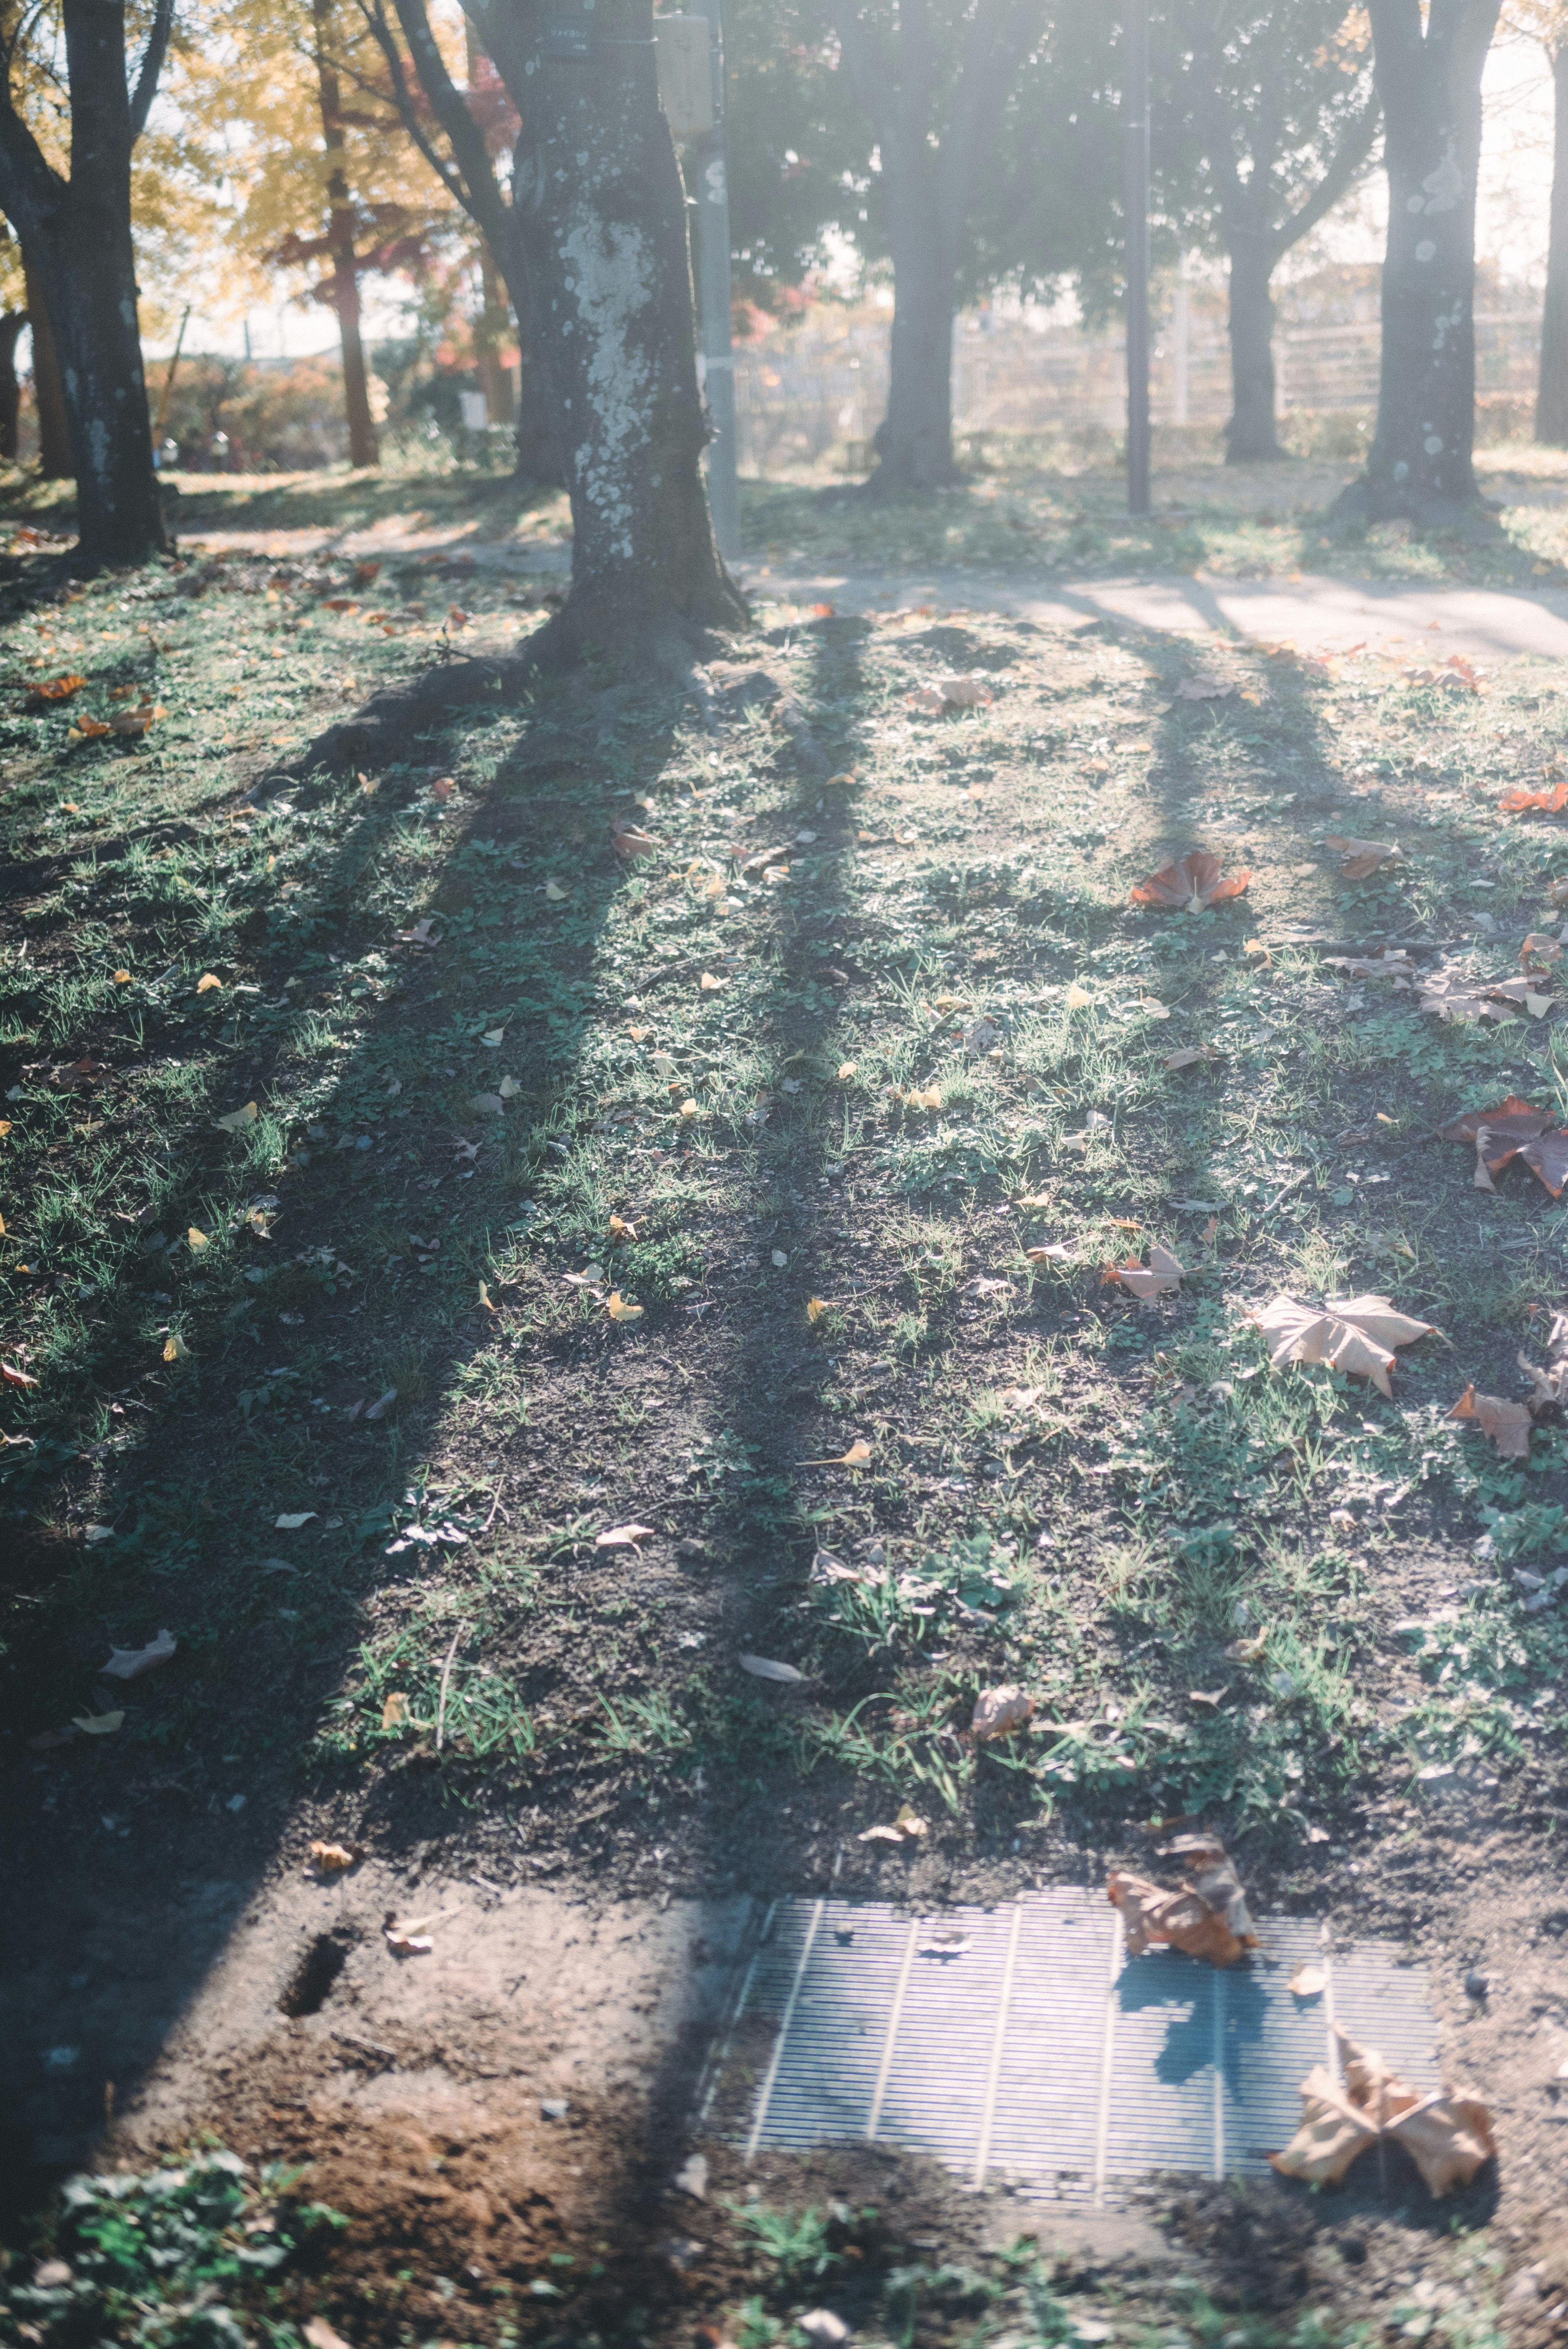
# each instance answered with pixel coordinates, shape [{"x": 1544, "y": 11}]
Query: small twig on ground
[
  {"x": 494, "y": 1505},
  {"x": 1285, "y": 1189},
  {"x": 366, "y": 2046},
  {"x": 446, "y": 1681}
]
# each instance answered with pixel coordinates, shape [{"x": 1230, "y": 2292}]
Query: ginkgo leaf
[
  {"x": 630, "y": 841},
  {"x": 708, "y": 983},
  {"x": 622, "y": 1536},
  {"x": 508, "y": 1088},
  {"x": 196, "y": 1240},
  {"x": 816, "y": 1307},
  {"x": 207, "y": 982},
  {"x": 1207, "y": 1917},
  {"x": 292, "y": 1520},
  {"x": 1449, "y": 2137},
  {"x": 845, "y": 1071},
  {"x": 98, "y": 1724},
  {"x": 1077, "y": 998},
  {"x": 1509, "y": 1424},
  {"x": 493, "y": 1038},
  {"x": 1053, "y": 1252},
  {"x": 857, "y": 1457},
  {"x": 122, "y": 979},
  {"x": 238, "y": 1119},
  {"x": 175, "y": 1350},
  {"x": 1356, "y": 1334},
  {"x": 1162, "y": 1275},
  {"x": 555, "y": 893},
  {"x": 616, "y": 1306},
  {"x": 1364, "y": 856},
  {"x": 1190, "y": 883},
  {"x": 488, "y": 1105}
]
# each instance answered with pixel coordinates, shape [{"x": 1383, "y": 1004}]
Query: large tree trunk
[
  {"x": 11, "y": 325},
  {"x": 362, "y": 448},
  {"x": 1420, "y": 464},
  {"x": 1552, "y": 394},
  {"x": 56, "y": 463},
  {"x": 913, "y": 442},
  {"x": 1251, "y": 437},
  {"x": 537, "y": 457}
]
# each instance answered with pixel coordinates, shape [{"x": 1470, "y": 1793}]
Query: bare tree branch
[
  {"x": 151, "y": 66},
  {"x": 1348, "y": 157}
]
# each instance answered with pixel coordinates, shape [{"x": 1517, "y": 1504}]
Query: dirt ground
[{"x": 462, "y": 1567}]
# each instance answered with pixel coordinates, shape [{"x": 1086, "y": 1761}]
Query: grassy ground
[{"x": 404, "y": 1194}]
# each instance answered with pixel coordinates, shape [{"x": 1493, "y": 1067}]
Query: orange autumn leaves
[
  {"x": 1190, "y": 883},
  {"x": 1513, "y": 1128},
  {"x": 1449, "y": 2137},
  {"x": 1207, "y": 1915}
]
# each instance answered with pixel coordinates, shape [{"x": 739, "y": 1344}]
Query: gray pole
[
  {"x": 1135, "y": 110},
  {"x": 712, "y": 276}
]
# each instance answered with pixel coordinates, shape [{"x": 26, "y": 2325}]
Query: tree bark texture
[
  {"x": 56, "y": 463},
  {"x": 1251, "y": 436},
  {"x": 594, "y": 251},
  {"x": 362, "y": 445},
  {"x": 1552, "y": 392},
  {"x": 1420, "y": 463},
  {"x": 927, "y": 170},
  {"x": 11, "y": 325},
  {"x": 76, "y": 232}
]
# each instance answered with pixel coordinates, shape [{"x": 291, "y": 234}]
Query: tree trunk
[
  {"x": 537, "y": 459},
  {"x": 362, "y": 445},
  {"x": 1420, "y": 464},
  {"x": 1250, "y": 436},
  {"x": 55, "y": 459},
  {"x": 913, "y": 442},
  {"x": 1552, "y": 394},
  {"x": 11, "y": 325}
]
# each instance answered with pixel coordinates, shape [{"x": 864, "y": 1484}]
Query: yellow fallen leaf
[
  {"x": 207, "y": 982},
  {"x": 486, "y": 1299},
  {"x": 555, "y": 893},
  {"x": 175, "y": 1350},
  {"x": 689, "y": 1109},
  {"x": 846, "y": 1070},
  {"x": 620, "y": 1229},
  {"x": 238, "y": 1119},
  {"x": 122, "y": 979},
  {"x": 708, "y": 982},
  {"x": 395, "y": 1711},
  {"x": 508, "y": 1088},
  {"x": 1077, "y": 998},
  {"x": 98, "y": 1724},
  {"x": 816, "y": 1307},
  {"x": 1032, "y": 1199},
  {"x": 4, "y": 1127},
  {"x": 195, "y": 1240},
  {"x": 857, "y": 1457},
  {"x": 616, "y": 1306},
  {"x": 331, "y": 1858},
  {"x": 639, "y": 1035}
]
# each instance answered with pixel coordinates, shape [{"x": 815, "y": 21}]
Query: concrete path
[{"x": 1314, "y": 615}]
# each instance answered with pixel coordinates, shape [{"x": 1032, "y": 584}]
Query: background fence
[{"x": 815, "y": 391}]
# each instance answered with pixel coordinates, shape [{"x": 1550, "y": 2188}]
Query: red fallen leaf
[
  {"x": 1521, "y": 798},
  {"x": 339, "y": 603},
  {"x": 1513, "y": 1116},
  {"x": 821, "y": 611},
  {"x": 364, "y": 573},
  {"x": 1193, "y": 880},
  {"x": 1507, "y": 1424},
  {"x": 58, "y": 689},
  {"x": 88, "y": 728},
  {"x": 1514, "y": 1129},
  {"x": 1207, "y": 1918},
  {"x": 16, "y": 1378}
]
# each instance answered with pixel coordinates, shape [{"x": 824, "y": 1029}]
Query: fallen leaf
[
  {"x": 857, "y": 1457},
  {"x": 1207, "y": 1917},
  {"x": 1204, "y": 688},
  {"x": 395, "y": 1713},
  {"x": 16, "y": 1378},
  {"x": 907, "y": 1827},
  {"x": 1053, "y": 1252},
  {"x": 1449, "y": 2137},
  {"x": 555, "y": 893},
  {"x": 1514, "y": 1129},
  {"x": 88, "y": 729},
  {"x": 444, "y": 786},
  {"x": 622, "y": 1536},
  {"x": 493, "y": 1036},
  {"x": 130, "y": 1663},
  {"x": 1077, "y": 998},
  {"x": 816, "y": 1307},
  {"x": 998, "y": 1712},
  {"x": 1308, "y": 1982},
  {"x": 1356, "y": 1334},
  {"x": 616, "y": 1306},
  {"x": 1539, "y": 946},
  {"x": 628, "y": 840},
  {"x": 98, "y": 1724},
  {"x": 238, "y": 1119},
  {"x": 331, "y": 1859},
  {"x": 765, "y": 1667},
  {"x": 845, "y": 1071},
  {"x": 950, "y": 693},
  {"x": 407, "y": 1941},
  {"x": 1190, "y": 1055},
  {"x": 207, "y": 982},
  {"x": 195, "y": 1240},
  {"x": 779, "y": 1259},
  {"x": 1364, "y": 856},
  {"x": 1521, "y": 798},
  {"x": 1030, "y": 1200},
  {"x": 321, "y": 2335},
  {"x": 378, "y": 1409},
  {"x": 58, "y": 689},
  {"x": 488, "y": 1105},
  {"x": 292, "y": 1520},
  {"x": 1161, "y": 1276},
  {"x": 1508, "y": 1425},
  {"x": 175, "y": 1350},
  {"x": 707, "y": 984},
  {"x": 137, "y": 720},
  {"x": 1190, "y": 883}
]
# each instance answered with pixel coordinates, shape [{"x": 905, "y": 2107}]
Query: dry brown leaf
[
  {"x": 1507, "y": 1424},
  {"x": 816, "y": 1307},
  {"x": 950, "y": 693},
  {"x": 1539, "y": 946},
  {"x": 1208, "y": 1917},
  {"x": 1204, "y": 688},
  {"x": 622, "y": 1536},
  {"x": 1363, "y": 856},
  {"x": 58, "y": 689},
  {"x": 1190, "y": 883},
  {"x": 1521, "y": 798},
  {"x": 1449, "y": 2137},
  {"x": 1159, "y": 1277},
  {"x": 1514, "y": 1129},
  {"x": 1452, "y": 995},
  {"x": 857, "y": 1456},
  {"x": 1189, "y": 1056},
  {"x": 1356, "y": 1334},
  {"x": 998, "y": 1712},
  {"x": 628, "y": 840},
  {"x": 331, "y": 1859},
  {"x": 395, "y": 1710}
]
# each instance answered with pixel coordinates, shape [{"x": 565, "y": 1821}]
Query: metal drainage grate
[{"x": 1024, "y": 2044}]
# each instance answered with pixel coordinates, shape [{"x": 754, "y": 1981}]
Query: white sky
[{"x": 1511, "y": 222}]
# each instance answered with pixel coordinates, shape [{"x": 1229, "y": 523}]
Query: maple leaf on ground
[
  {"x": 1159, "y": 1278},
  {"x": 1507, "y": 1424},
  {"x": 1206, "y": 1917},
  {"x": 1448, "y": 2136},
  {"x": 1357, "y": 1334},
  {"x": 1521, "y": 798},
  {"x": 1514, "y": 1129},
  {"x": 1454, "y": 996},
  {"x": 1363, "y": 856},
  {"x": 1539, "y": 946},
  {"x": 1190, "y": 883}
]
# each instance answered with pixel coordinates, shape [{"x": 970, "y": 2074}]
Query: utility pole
[
  {"x": 713, "y": 272},
  {"x": 1135, "y": 112}
]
